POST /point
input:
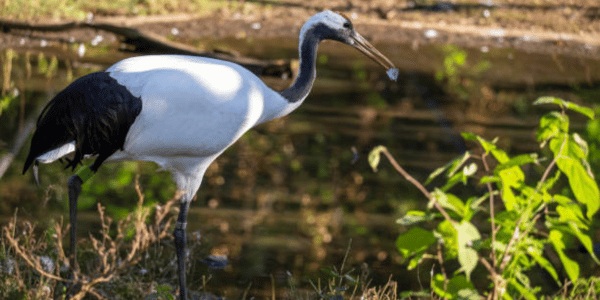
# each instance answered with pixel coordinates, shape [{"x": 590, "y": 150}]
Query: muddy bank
[{"x": 544, "y": 27}]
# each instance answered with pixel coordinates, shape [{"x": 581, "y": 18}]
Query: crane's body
[
  {"x": 178, "y": 111},
  {"x": 215, "y": 104}
]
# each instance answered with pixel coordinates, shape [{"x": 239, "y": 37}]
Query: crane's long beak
[{"x": 370, "y": 51}]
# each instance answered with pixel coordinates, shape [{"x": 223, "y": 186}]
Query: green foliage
[
  {"x": 163, "y": 292},
  {"x": 456, "y": 71},
  {"x": 5, "y": 101},
  {"x": 504, "y": 229}
]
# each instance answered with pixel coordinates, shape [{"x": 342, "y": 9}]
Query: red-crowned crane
[{"x": 178, "y": 111}]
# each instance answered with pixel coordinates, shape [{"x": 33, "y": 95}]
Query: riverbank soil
[{"x": 545, "y": 26}]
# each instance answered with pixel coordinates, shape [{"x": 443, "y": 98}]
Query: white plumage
[{"x": 215, "y": 104}]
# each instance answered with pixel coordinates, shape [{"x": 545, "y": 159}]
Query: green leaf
[
  {"x": 584, "y": 187},
  {"x": 571, "y": 221},
  {"x": 415, "y": 240},
  {"x": 489, "y": 179},
  {"x": 537, "y": 255},
  {"x": 452, "y": 167},
  {"x": 457, "y": 163},
  {"x": 552, "y": 125},
  {"x": 588, "y": 112},
  {"x": 488, "y": 147},
  {"x": 454, "y": 180},
  {"x": 413, "y": 217},
  {"x": 571, "y": 267},
  {"x": 571, "y": 213},
  {"x": 457, "y": 284},
  {"x": 519, "y": 160},
  {"x": 375, "y": 157},
  {"x": 450, "y": 237},
  {"x": 435, "y": 174},
  {"x": 448, "y": 201},
  {"x": 585, "y": 240},
  {"x": 524, "y": 292},
  {"x": 472, "y": 206},
  {"x": 5, "y": 102},
  {"x": 459, "y": 177},
  {"x": 415, "y": 261},
  {"x": 467, "y": 256},
  {"x": 510, "y": 178},
  {"x": 468, "y": 294}
]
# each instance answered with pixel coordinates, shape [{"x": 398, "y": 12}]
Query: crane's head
[{"x": 328, "y": 25}]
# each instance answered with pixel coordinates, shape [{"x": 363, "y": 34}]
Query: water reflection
[{"x": 290, "y": 195}]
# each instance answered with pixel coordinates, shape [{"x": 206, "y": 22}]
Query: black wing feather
[{"x": 95, "y": 111}]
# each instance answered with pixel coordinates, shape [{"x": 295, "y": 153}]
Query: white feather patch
[{"x": 57, "y": 153}]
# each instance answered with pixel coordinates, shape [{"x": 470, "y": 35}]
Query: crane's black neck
[{"x": 307, "y": 71}]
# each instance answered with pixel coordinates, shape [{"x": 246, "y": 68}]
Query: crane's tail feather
[{"x": 36, "y": 173}]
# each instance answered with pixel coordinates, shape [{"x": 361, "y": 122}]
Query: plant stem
[
  {"x": 417, "y": 184},
  {"x": 492, "y": 268},
  {"x": 492, "y": 211}
]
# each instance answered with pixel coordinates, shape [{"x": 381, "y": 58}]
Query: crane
[{"x": 180, "y": 112}]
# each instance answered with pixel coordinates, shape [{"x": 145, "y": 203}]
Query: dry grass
[{"x": 35, "y": 266}]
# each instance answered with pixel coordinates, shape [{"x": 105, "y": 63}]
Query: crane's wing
[{"x": 94, "y": 112}]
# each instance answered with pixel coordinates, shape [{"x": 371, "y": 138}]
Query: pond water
[{"x": 292, "y": 194}]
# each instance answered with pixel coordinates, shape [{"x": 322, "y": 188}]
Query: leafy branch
[{"x": 521, "y": 217}]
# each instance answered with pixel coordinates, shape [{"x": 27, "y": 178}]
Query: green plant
[
  {"x": 507, "y": 221},
  {"x": 456, "y": 75},
  {"x": 340, "y": 282}
]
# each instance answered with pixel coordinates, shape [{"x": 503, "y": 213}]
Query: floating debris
[
  {"x": 256, "y": 26},
  {"x": 97, "y": 40},
  {"x": 496, "y": 32},
  {"x": 431, "y": 33},
  {"x": 89, "y": 18},
  {"x": 81, "y": 50}
]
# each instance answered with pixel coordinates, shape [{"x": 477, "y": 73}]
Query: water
[{"x": 290, "y": 195}]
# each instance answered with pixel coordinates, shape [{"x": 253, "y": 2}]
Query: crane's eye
[{"x": 347, "y": 25}]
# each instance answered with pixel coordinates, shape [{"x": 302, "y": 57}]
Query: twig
[
  {"x": 440, "y": 260},
  {"x": 27, "y": 258},
  {"x": 417, "y": 184},
  {"x": 494, "y": 275}
]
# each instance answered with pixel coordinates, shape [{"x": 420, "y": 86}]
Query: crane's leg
[
  {"x": 180, "y": 245},
  {"x": 74, "y": 184}
]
